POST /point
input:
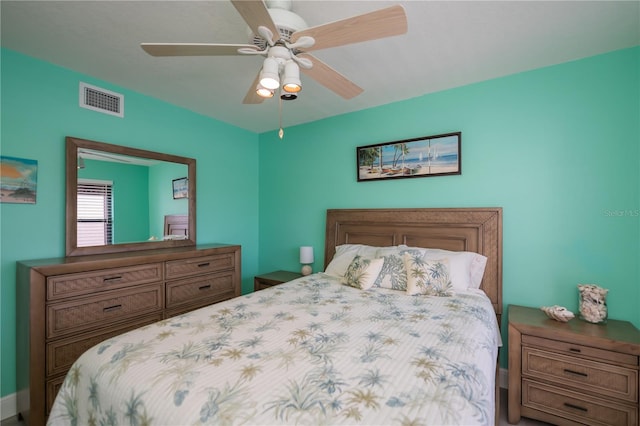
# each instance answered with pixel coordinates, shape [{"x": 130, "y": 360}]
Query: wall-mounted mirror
[{"x": 124, "y": 199}]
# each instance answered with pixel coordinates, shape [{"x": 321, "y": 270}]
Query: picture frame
[
  {"x": 18, "y": 180},
  {"x": 436, "y": 155},
  {"x": 180, "y": 188}
]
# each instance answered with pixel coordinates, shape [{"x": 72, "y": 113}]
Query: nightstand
[
  {"x": 260, "y": 282},
  {"x": 572, "y": 373}
]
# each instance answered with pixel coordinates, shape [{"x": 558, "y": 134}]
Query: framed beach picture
[
  {"x": 180, "y": 188},
  {"x": 437, "y": 155},
  {"x": 18, "y": 178}
]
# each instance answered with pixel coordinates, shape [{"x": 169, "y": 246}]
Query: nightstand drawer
[
  {"x": 572, "y": 349},
  {"x": 597, "y": 378},
  {"x": 260, "y": 282},
  {"x": 576, "y": 407}
]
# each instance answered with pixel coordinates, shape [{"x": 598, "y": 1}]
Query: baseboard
[
  {"x": 503, "y": 378},
  {"x": 8, "y": 406}
]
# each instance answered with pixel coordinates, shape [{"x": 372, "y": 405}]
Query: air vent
[{"x": 101, "y": 100}]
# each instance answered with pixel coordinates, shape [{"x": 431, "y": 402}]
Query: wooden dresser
[
  {"x": 65, "y": 306},
  {"x": 572, "y": 373}
]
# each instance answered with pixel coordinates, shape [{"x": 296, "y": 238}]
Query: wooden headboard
[
  {"x": 461, "y": 229},
  {"x": 176, "y": 224}
]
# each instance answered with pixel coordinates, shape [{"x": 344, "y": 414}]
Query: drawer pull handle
[
  {"x": 575, "y": 407},
  {"x": 577, "y": 373},
  {"x": 202, "y": 265},
  {"x": 204, "y": 287},
  {"x": 112, "y": 308},
  {"x": 574, "y": 350},
  {"x": 112, "y": 279}
]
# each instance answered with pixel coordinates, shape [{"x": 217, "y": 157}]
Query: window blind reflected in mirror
[{"x": 95, "y": 213}]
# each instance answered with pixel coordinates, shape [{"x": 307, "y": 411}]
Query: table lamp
[{"x": 306, "y": 259}]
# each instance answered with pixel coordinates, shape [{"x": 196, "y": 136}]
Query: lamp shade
[{"x": 306, "y": 254}]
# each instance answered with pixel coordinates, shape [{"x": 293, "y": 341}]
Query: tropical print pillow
[
  {"x": 394, "y": 272},
  {"x": 362, "y": 272},
  {"x": 429, "y": 277}
]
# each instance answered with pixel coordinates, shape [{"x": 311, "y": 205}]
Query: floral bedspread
[{"x": 311, "y": 351}]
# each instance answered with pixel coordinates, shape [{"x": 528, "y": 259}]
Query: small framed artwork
[
  {"x": 180, "y": 188},
  {"x": 437, "y": 155},
  {"x": 18, "y": 180}
]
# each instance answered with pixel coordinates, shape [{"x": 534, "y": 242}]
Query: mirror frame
[{"x": 72, "y": 249}]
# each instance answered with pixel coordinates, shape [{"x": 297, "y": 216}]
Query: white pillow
[
  {"x": 429, "y": 277},
  {"x": 466, "y": 268},
  {"x": 474, "y": 262},
  {"x": 362, "y": 272},
  {"x": 478, "y": 265},
  {"x": 345, "y": 254}
]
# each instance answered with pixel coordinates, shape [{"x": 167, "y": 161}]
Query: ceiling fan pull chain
[{"x": 281, "y": 131}]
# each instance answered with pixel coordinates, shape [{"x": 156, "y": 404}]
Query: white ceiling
[{"x": 449, "y": 44}]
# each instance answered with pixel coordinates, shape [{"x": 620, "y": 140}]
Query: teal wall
[
  {"x": 161, "y": 178},
  {"x": 40, "y": 107},
  {"x": 557, "y": 148}
]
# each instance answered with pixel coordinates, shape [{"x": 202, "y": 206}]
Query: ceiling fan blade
[
  {"x": 330, "y": 78},
  {"x": 194, "y": 49},
  {"x": 252, "y": 97},
  {"x": 255, "y": 14},
  {"x": 381, "y": 23}
]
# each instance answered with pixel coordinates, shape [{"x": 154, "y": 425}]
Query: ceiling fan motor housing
[{"x": 287, "y": 23}]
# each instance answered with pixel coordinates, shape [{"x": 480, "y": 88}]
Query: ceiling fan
[{"x": 284, "y": 39}]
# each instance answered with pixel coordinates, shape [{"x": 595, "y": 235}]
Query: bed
[{"x": 316, "y": 350}]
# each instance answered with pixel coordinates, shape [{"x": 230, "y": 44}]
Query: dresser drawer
[
  {"x": 204, "y": 288},
  {"x": 63, "y": 352},
  {"x": 579, "y": 350},
  {"x": 104, "y": 309},
  {"x": 199, "y": 265},
  {"x": 63, "y": 286},
  {"x": 51, "y": 390},
  {"x": 576, "y": 407},
  {"x": 595, "y": 377}
]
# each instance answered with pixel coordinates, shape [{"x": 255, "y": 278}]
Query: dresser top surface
[{"x": 133, "y": 257}]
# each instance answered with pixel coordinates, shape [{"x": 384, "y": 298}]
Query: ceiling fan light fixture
[
  {"x": 269, "y": 76},
  {"x": 263, "y": 91},
  {"x": 291, "y": 81},
  {"x": 292, "y": 87}
]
